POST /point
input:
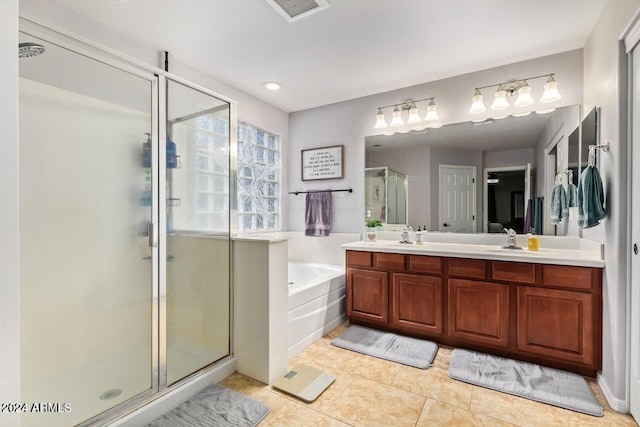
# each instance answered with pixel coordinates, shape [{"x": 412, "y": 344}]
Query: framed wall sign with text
[{"x": 322, "y": 163}]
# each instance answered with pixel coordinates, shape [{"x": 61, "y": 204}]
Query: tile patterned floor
[{"x": 374, "y": 392}]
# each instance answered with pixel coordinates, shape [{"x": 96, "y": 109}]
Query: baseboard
[
  {"x": 149, "y": 412},
  {"x": 310, "y": 339},
  {"x": 616, "y": 404}
]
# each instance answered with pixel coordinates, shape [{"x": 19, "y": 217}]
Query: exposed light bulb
[
  {"x": 477, "y": 103},
  {"x": 524, "y": 96},
  {"x": 414, "y": 117},
  {"x": 521, "y": 114},
  {"x": 432, "y": 114},
  {"x": 500, "y": 102},
  {"x": 397, "y": 117},
  {"x": 550, "y": 90},
  {"x": 380, "y": 120}
]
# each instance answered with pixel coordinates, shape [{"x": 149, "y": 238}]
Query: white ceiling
[{"x": 353, "y": 48}]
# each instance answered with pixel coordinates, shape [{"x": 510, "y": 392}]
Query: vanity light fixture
[
  {"x": 413, "y": 114},
  {"x": 519, "y": 87}
]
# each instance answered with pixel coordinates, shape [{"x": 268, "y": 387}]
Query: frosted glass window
[{"x": 258, "y": 197}]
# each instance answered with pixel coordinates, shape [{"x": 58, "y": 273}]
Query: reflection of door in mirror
[
  {"x": 457, "y": 199},
  {"x": 505, "y": 200}
]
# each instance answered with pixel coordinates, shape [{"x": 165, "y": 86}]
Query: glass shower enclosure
[
  {"x": 124, "y": 229},
  {"x": 386, "y": 195}
]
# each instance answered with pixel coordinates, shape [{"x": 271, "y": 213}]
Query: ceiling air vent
[{"x": 292, "y": 10}]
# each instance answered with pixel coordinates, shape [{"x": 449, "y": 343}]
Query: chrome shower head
[{"x": 27, "y": 50}]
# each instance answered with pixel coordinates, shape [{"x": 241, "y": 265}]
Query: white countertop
[{"x": 575, "y": 257}]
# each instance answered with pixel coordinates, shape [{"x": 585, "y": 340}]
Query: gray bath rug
[
  {"x": 547, "y": 385},
  {"x": 215, "y": 406},
  {"x": 386, "y": 345}
]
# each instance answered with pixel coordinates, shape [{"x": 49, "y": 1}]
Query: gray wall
[
  {"x": 9, "y": 226},
  {"x": 349, "y": 122},
  {"x": 605, "y": 78}
]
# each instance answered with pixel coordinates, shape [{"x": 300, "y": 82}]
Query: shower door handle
[{"x": 152, "y": 228}]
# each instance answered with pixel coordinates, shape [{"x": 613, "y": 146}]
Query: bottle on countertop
[{"x": 533, "y": 242}]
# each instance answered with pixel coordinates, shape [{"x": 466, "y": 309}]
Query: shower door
[
  {"x": 88, "y": 263},
  {"x": 197, "y": 230}
]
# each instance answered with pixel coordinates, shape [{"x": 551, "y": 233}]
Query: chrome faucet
[
  {"x": 404, "y": 236},
  {"x": 511, "y": 239}
]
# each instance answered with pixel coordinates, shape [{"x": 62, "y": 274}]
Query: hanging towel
[
  {"x": 529, "y": 216},
  {"x": 590, "y": 198},
  {"x": 559, "y": 207},
  {"x": 318, "y": 214},
  {"x": 572, "y": 195},
  {"x": 537, "y": 215}
]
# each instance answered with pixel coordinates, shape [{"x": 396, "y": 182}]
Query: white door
[
  {"x": 457, "y": 199},
  {"x": 634, "y": 247}
]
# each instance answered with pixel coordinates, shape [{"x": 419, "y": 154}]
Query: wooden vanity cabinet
[
  {"x": 562, "y": 317},
  {"x": 367, "y": 295},
  {"x": 417, "y": 303},
  {"x": 542, "y": 313},
  {"x": 479, "y": 311}
]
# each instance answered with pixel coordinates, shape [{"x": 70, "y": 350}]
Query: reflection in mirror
[
  {"x": 385, "y": 195},
  {"x": 494, "y": 145}
]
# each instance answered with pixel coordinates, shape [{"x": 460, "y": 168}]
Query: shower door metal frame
[{"x": 157, "y": 240}]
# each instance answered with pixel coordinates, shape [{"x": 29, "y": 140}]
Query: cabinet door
[
  {"x": 368, "y": 295},
  {"x": 556, "y": 323},
  {"x": 479, "y": 311},
  {"x": 417, "y": 303}
]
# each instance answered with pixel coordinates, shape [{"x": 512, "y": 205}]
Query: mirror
[
  {"x": 385, "y": 195},
  {"x": 466, "y": 153}
]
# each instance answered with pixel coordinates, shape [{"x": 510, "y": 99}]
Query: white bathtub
[{"x": 316, "y": 302}]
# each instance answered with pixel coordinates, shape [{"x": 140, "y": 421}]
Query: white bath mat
[
  {"x": 386, "y": 345},
  {"x": 304, "y": 382},
  {"x": 216, "y": 406},
  {"x": 547, "y": 385}
]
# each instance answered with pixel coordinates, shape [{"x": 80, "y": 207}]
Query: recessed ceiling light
[{"x": 272, "y": 85}]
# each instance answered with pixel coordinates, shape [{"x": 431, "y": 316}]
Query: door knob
[{"x": 635, "y": 248}]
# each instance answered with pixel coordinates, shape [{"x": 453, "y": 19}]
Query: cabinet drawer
[
  {"x": 567, "y": 277},
  {"x": 519, "y": 272},
  {"x": 425, "y": 264},
  {"x": 473, "y": 268},
  {"x": 362, "y": 259},
  {"x": 388, "y": 261}
]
